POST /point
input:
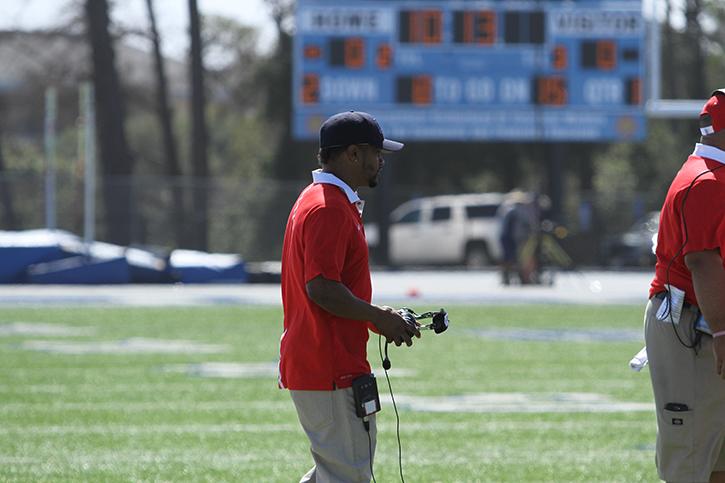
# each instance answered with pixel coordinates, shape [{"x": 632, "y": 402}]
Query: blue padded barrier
[
  {"x": 80, "y": 270},
  {"x": 15, "y": 260},
  {"x": 191, "y": 266}
]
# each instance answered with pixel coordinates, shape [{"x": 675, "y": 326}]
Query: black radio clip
[{"x": 365, "y": 394}]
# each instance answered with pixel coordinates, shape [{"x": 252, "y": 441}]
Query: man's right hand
[{"x": 394, "y": 327}]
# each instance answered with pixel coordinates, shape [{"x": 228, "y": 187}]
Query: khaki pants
[
  {"x": 689, "y": 443},
  {"x": 338, "y": 440}
]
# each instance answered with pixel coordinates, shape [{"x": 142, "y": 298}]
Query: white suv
[{"x": 450, "y": 229}]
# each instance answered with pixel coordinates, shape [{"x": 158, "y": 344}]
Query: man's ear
[{"x": 353, "y": 153}]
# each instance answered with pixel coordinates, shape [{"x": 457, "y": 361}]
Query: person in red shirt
[
  {"x": 326, "y": 297},
  {"x": 685, "y": 317}
]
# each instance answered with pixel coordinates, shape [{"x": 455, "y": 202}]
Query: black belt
[{"x": 663, "y": 295}]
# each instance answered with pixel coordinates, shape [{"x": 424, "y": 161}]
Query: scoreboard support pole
[
  {"x": 554, "y": 175},
  {"x": 383, "y": 209}
]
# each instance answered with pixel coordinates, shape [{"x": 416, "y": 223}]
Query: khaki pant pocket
[
  {"x": 675, "y": 444},
  {"x": 314, "y": 408}
]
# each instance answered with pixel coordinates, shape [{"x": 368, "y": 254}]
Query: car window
[
  {"x": 481, "y": 211},
  {"x": 441, "y": 213},
  {"x": 410, "y": 217}
]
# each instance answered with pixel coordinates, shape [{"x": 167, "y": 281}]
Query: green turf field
[{"x": 71, "y": 413}]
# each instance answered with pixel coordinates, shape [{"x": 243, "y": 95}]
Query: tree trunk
[
  {"x": 115, "y": 158},
  {"x": 696, "y": 71},
  {"x": 165, "y": 114},
  {"x": 10, "y": 220},
  {"x": 278, "y": 78},
  {"x": 199, "y": 163}
]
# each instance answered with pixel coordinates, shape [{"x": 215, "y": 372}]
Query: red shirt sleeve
[
  {"x": 704, "y": 215},
  {"x": 326, "y": 235}
]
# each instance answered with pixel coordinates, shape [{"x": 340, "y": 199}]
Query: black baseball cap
[{"x": 354, "y": 127}]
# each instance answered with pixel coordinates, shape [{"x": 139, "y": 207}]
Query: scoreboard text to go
[{"x": 425, "y": 90}]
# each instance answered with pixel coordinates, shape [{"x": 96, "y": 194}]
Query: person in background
[
  {"x": 685, "y": 316},
  {"x": 516, "y": 227},
  {"x": 326, "y": 297}
]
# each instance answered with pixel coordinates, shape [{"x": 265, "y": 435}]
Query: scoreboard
[{"x": 461, "y": 70}]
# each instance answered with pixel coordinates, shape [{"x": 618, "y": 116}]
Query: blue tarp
[
  {"x": 81, "y": 270},
  {"x": 18, "y": 250},
  {"x": 14, "y": 261},
  {"x": 143, "y": 265},
  {"x": 58, "y": 257},
  {"x": 199, "y": 267}
]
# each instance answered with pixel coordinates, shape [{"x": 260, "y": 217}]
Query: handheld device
[{"x": 438, "y": 324}]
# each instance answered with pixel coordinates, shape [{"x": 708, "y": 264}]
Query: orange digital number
[
  {"x": 354, "y": 53},
  {"x": 422, "y": 90},
  {"x": 635, "y": 91},
  {"x": 606, "y": 54},
  {"x": 384, "y": 57},
  {"x": 312, "y": 52},
  {"x": 485, "y": 27},
  {"x": 468, "y": 27},
  {"x": 474, "y": 27},
  {"x": 432, "y": 22},
  {"x": 311, "y": 89},
  {"x": 551, "y": 91},
  {"x": 559, "y": 57},
  {"x": 425, "y": 26}
]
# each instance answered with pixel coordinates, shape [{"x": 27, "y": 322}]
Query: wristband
[{"x": 718, "y": 334}]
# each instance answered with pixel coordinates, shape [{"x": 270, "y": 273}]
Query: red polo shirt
[
  {"x": 324, "y": 236},
  {"x": 704, "y": 216}
]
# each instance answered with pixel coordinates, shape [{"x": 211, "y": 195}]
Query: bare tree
[
  {"x": 277, "y": 76},
  {"x": 695, "y": 45},
  {"x": 670, "y": 88},
  {"x": 115, "y": 157},
  {"x": 10, "y": 220},
  {"x": 199, "y": 155},
  {"x": 165, "y": 114}
]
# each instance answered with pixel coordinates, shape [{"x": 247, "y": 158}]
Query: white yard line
[
  {"x": 546, "y": 403},
  {"x": 407, "y": 426},
  {"x": 132, "y": 345},
  {"x": 146, "y": 406}
]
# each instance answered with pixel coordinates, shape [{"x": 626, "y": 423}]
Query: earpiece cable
[{"x": 694, "y": 343}]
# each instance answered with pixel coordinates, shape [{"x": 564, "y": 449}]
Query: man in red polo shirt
[
  {"x": 685, "y": 317},
  {"x": 326, "y": 294}
]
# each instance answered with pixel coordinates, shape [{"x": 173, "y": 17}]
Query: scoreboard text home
[{"x": 473, "y": 70}]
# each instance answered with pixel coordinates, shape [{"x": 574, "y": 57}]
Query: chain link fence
[{"x": 248, "y": 217}]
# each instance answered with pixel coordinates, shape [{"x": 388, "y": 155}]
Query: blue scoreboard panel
[{"x": 462, "y": 70}]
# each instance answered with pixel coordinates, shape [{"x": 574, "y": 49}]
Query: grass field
[{"x": 74, "y": 409}]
